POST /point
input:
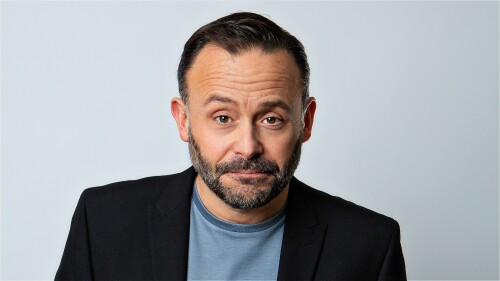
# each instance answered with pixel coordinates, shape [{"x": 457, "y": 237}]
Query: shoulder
[
  {"x": 357, "y": 243},
  {"x": 333, "y": 209},
  {"x": 133, "y": 192}
]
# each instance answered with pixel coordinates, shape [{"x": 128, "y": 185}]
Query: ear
[
  {"x": 308, "y": 119},
  {"x": 179, "y": 113}
]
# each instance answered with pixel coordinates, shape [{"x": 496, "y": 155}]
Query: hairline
[{"x": 304, "y": 95}]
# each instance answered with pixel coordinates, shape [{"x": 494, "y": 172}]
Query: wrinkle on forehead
[
  {"x": 232, "y": 84},
  {"x": 251, "y": 72}
]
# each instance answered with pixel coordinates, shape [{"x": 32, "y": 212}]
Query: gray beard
[{"x": 232, "y": 196}]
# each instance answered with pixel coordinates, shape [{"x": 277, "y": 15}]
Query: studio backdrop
[{"x": 406, "y": 124}]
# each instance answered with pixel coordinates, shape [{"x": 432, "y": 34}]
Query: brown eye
[
  {"x": 271, "y": 120},
  {"x": 222, "y": 119}
]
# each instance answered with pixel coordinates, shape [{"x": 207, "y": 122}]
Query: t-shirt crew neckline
[{"x": 236, "y": 227}]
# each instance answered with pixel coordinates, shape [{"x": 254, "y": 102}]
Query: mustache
[{"x": 260, "y": 164}]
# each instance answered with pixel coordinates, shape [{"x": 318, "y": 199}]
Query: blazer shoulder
[
  {"x": 334, "y": 208},
  {"x": 144, "y": 190},
  {"x": 358, "y": 243}
]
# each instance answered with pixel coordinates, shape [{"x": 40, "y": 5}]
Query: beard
[{"x": 247, "y": 195}]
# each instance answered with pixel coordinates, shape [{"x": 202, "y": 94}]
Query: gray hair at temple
[{"x": 240, "y": 32}]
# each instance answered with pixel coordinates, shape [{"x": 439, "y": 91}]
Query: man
[{"x": 238, "y": 213}]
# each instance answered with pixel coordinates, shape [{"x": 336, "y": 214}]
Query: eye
[
  {"x": 272, "y": 120},
  {"x": 222, "y": 119}
]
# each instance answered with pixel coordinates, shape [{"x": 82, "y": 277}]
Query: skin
[{"x": 243, "y": 106}]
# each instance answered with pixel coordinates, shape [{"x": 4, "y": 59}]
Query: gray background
[{"x": 407, "y": 120}]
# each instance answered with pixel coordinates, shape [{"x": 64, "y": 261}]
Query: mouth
[{"x": 248, "y": 174}]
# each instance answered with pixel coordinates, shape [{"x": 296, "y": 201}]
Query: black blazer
[{"x": 139, "y": 230}]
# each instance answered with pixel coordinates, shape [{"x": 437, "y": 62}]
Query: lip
[{"x": 248, "y": 174}]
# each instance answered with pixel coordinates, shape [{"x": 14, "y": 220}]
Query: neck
[{"x": 226, "y": 213}]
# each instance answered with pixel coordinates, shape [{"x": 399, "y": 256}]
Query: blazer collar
[
  {"x": 169, "y": 227},
  {"x": 303, "y": 235}
]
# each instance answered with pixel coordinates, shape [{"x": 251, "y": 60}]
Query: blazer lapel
[
  {"x": 302, "y": 238},
  {"x": 169, "y": 228}
]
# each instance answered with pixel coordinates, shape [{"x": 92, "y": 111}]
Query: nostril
[{"x": 255, "y": 156}]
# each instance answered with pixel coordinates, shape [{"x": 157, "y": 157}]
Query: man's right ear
[{"x": 180, "y": 115}]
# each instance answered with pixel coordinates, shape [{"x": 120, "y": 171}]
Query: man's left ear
[{"x": 308, "y": 118}]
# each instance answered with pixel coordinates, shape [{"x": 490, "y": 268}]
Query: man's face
[{"x": 244, "y": 124}]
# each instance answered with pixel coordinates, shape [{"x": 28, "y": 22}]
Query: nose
[{"x": 247, "y": 144}]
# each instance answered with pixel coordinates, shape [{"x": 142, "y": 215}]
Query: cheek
[
  {"x": 212, "y": 146},
  {"x": 280, "y": 147}
]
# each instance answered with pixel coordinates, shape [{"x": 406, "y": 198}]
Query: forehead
[{"x": 252, "y": 73}]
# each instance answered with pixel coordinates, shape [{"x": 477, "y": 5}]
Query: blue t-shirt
[{"x": 220, "y": 250}]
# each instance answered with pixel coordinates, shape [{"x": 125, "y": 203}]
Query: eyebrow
[
  {"x": 221, "y": 99},
  {"x": 276, "y": 104}
]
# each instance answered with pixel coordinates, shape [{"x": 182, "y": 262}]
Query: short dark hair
[{"x": 240, "y": 32}]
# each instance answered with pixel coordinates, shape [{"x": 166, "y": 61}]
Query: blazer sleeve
[
  {"x": 393, "y": 267},
  {"x": 76, "y": 262}
]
